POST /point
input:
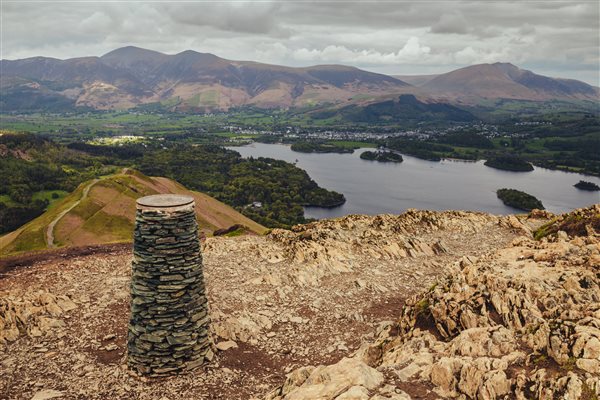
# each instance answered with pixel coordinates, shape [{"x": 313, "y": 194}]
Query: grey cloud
[
  {"x": 257, "y": 18},
  {"x": 451, "y": 23},
  {"x": 526, "y": 30},
  {"x": 403, "y": 37}
]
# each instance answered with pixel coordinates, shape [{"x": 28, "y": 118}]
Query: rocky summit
[{"x": 422, "y": 305}]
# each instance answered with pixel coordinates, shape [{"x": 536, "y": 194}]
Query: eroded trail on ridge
[
  {"x": 290, "y": 299},
  {"x": 51, "y": 225}
]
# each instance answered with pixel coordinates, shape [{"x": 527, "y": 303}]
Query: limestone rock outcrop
[
  {"x": 522, "y": 322},
  {"x": 337, "y": 245},
  {"x": 348, "y": 379},
  {"x": 581, "y": 222},
  {"x": 33, "y": 314}
]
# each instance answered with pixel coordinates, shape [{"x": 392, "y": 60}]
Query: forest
[
  {"x": 381, "y": 156},
  {"x": 509, "y": 162},
  {"x": 35, "y": 172},
  {"x": 418, "y": 148},
  {"x": 35, "y": 167},
  {"x": 282, "y": 188},
  {"x": 520, "y": 200}
]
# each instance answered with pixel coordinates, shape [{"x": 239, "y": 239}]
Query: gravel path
[{"x": 50, "y": 230}]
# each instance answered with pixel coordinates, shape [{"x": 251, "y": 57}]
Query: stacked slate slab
[{"x": 168, "y": 329}]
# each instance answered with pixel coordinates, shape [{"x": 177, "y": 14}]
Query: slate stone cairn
[{"x": 168, "y": 329}]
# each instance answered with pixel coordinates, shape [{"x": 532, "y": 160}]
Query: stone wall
[{"x": 168, "y": 330}]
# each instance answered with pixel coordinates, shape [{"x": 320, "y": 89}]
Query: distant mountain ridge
[
  {"x": 191, "y": 81},
  {"x": 503, "y": 81},
  {"x": 131, "y": 76}
]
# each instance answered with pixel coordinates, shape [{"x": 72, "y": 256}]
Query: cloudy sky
[{"x": 556, "y": 38}]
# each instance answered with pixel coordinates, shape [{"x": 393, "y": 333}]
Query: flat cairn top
[{"x": 159, "y": 201}]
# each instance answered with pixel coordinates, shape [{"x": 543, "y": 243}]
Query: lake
[{"x": 372, "y": 187}]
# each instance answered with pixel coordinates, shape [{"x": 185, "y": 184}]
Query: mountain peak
[
  {"x": 131, "y": 51},
  {"x": 507, "y": 81},
  {"x": 510, "y": 69},
  {"x": 418, "y": 307},
  {"x": 189, "y": 53},
  {"x": 505, "y": 64},
  {"x": 196, "y": 55}
]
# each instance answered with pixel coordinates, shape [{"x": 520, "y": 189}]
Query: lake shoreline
[
  {"x": 536, "y": 165},
  {"x": 392, "y": 188}
]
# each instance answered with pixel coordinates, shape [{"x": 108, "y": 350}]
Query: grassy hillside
[{"x": 107, "y": 213}]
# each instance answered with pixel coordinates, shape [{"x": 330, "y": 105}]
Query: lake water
[{"x": 372, "y": 187}]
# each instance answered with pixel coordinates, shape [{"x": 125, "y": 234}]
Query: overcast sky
[{"x": 556, "y": 38}]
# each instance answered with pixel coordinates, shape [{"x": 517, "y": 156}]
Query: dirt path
[{"x": 50, "y": 230}]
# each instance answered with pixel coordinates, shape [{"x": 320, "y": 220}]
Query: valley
[
  {"x": 71, "y": 148},
  {"x": 558, "y": 139}
]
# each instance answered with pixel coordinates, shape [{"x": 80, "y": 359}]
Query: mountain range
[{"x": 193, "y": 81}]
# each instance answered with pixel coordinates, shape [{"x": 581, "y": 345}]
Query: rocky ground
[
  {"x": 318, "y": 313},
  {"x": 521, "y": 321}
]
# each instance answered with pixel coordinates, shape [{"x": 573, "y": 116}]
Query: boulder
[{"x": 350, "y": 377}]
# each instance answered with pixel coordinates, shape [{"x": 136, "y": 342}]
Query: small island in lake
[
  {"x": 585, "y": 185},
  {"x": 517, "y": 199},
  {"x": 319, "y": 147},
  {"x": 382, "y": 156},
  {"x": 509, "y": 163}
]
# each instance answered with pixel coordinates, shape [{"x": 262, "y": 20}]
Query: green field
[{"x": 53, "y": 196}]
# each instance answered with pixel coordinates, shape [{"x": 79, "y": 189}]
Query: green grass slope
[{"x": 107, "y": 214}]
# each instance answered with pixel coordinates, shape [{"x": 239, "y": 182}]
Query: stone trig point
[{"x": 168, "y": 329}]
